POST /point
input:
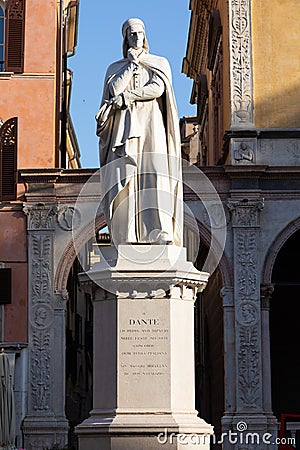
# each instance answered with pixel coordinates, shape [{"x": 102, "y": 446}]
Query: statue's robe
[{"x": 140, "y": 154}]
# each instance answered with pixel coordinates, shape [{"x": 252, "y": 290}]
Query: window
[
  {"x": 12, "y": 28},
  {"x": 215, "y": 65},
  {"x": 8, "y": 159}
]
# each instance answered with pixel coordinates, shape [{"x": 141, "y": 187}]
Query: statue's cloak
[{"x": 109, "y": 144}]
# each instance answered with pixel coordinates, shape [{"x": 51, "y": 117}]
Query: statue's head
[{"x": 133, "y": 31}]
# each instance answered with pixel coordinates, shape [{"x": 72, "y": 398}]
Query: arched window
[
  {"x": 8, "y": 159},
  {"x": 2, "y": 34}
]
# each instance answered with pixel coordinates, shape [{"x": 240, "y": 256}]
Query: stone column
[
  {"x": 250, "y": 414},
  {"x": 45, "y": 423},
  {"x": 266, "y": 292},
  {"x": 144, "y": 387},
  {"x": 229, "y": 359}
]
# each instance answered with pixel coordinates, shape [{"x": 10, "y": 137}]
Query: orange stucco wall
[
  {"x": 276, "y": 63},
  {"x": 40, "y": 36},
  {"x": 32, "y": 96},
  {"x": 13, "y": 252},
  {"x": 32, "y": 101}
]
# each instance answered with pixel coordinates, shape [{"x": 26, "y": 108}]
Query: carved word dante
[{"x": 143, "y": 321}]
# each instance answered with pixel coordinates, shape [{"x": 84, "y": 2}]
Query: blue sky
[{"x": 100, "y": 43}]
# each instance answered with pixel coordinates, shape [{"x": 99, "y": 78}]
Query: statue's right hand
[
  {"x": 133, "y": 55},
  {"x": 117, "y": 102}
]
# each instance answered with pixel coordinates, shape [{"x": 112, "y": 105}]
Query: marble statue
[{"x": 140, "y": 152}]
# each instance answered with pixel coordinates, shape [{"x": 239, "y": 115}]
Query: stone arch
[
  {"x": 274, "y": 249},
  {"x": 69, "y": 254},
  {"x": 223, "y": 265}
]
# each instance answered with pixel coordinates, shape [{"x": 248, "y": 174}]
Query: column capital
[
  {"x": 227, "y": 295},
  {"x": 40, "y": 216},
  {"x": 245, "y": 213},
  {"x": 266, "y": 292},
  {"x": 60, "y": 300}
]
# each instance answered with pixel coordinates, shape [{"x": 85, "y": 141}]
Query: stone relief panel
[
  {"x": 247, "y": 265},
  {"x": 245, "y": 221},
  {"x": 243, "y": 151},
  {"x": 241, "y": 64},
  {"x": 46, "y": 311},
  {"x": 41, "y": 268},
  {"x": 249, "y": 367},
  {"x": 215, "y": 216},
  {"x": 68, "y": 218},
  {"x": 41, "y": 316},
  {"x": 40, "y": 370},
  {"x": 247, "y": 314},
  {"x": 40, "y": 225}
]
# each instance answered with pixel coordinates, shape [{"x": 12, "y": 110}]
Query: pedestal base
[
  {"x": 144, "y": 432},
  {"x": 144, "y": 391},
  {"x": 43, "y": 431}
]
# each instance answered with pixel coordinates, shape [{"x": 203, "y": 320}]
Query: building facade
[
  {"x": 244, "y": 143},
  {"x": 246, "y": 88},
  {"x": 36, "y": 39}
]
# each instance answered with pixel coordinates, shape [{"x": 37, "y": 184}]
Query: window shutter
[
  {"x": 202, "y": 96},
  {"x": 215, "y": 31},
  {"x": 14, "y": 36},
  {"x": 8, "y": 147}
]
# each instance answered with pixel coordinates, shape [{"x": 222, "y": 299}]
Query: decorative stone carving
[
  {"x": 245, "y": 213},
  {"x": 46, "y": 335},
  {"x": 41, "y": 256},
  {"x": 243, "y": 151},
  {"x": 215, "y": 216},
  {"x": 40, "y": 216},
  {"x": 41, "y": 316},
  {"x": 68, "y": 218},
  {"x": 241, "y": 64},
  {"x": 247, "y": 263},
  {"x": 40, "y": 371},
  {"x": 247, "y": 314},
  {"x": 249, "y": 367},
  {"x": 245, "y": 223}
]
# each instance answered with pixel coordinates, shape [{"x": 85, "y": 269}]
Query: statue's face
[{"x": 135, "y": 36}]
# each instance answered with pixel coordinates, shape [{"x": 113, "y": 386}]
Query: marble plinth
[{"x": 144, "y": 351}]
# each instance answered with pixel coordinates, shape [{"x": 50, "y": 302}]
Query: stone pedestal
[{"x": 144, "y": 351}]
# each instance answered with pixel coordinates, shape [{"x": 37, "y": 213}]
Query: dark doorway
[{"x": 284, "y": 329}]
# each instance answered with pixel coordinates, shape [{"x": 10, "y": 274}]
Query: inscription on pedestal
[{"x": 144, "y": 355}]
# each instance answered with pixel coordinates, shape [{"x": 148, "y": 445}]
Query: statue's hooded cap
[{"x": 129, "y": 23}]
